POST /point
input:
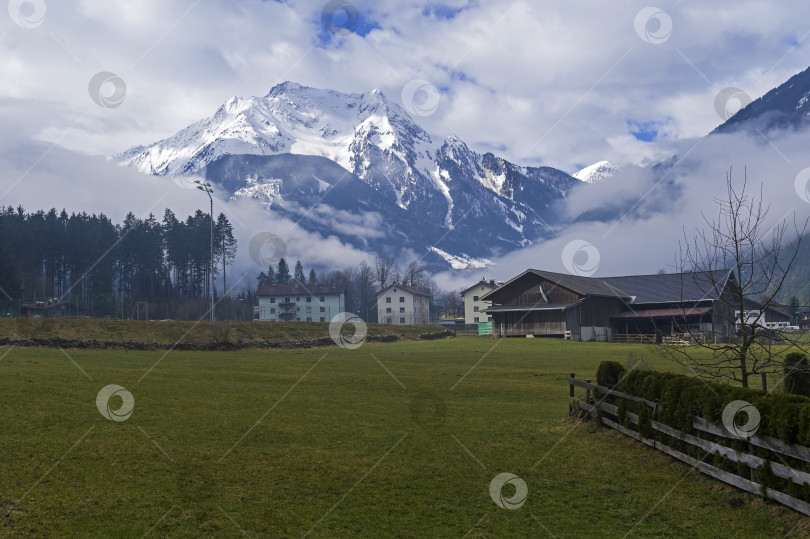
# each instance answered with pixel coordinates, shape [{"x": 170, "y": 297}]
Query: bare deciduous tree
[
  {"x": 742, "y": 238},
  {"x": 383, "y": 266}
]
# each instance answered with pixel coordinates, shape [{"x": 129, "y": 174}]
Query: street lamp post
[{"x": 208, "y": 190}]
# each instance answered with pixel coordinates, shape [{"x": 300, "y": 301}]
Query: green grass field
[
  {"x": 388, "y": 440},
  {"x": 169, "y": 333}
]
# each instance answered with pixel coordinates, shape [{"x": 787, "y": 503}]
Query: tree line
[
  {"x": 87, "y": 260},
  {"x": 363, "y": 281},
  {"x": 145, "y": 267}
]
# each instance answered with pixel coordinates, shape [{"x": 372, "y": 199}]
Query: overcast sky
[{"x": 562, "y": 84}]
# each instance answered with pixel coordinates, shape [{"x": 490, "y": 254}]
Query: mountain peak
[
  {"x": 597, "y": 172},
  {"x": 786, "y": 106}
]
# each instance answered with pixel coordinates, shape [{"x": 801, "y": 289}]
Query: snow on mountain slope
[
  {"x": 489, "y": 204},
  {"x": 462, "y": 262},
  {"x": 597, "y": 172},
  {"x": 786, "y": 106}
]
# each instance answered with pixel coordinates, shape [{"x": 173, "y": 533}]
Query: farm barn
[
  {"x": 634, "y": 308},
  {"x": 543, "y": 303}
]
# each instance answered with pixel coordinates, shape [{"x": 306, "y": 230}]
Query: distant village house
[{"x": 403, "y": 305}]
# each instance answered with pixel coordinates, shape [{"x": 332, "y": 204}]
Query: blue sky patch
[
  {"x": 442, "y": 11},
  {"x": 345, "y": 20},
  {"x": 644, "y": 131}
]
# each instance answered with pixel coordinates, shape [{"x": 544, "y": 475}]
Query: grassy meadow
[
  {"x": 171, "y": 332},
  {"x": 387, "y": 440}
]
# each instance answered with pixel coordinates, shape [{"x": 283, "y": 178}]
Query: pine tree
[
  {"x": 271, "y": 275},
  {"x": 225, "y": 246},
  {"x": 299, "y": 273},
  {"x": 283, "y": 272},
  {"x": 313, "y": 279}
]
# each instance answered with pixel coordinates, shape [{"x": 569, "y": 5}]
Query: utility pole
[{"x": 208, "y": 190}]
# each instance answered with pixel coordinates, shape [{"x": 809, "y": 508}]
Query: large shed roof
[{"x": 672, "y": 287}]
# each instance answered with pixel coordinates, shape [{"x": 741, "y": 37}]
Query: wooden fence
[
  {"x": 645, "y": 338},
  {"x": 593, "y": 403}
]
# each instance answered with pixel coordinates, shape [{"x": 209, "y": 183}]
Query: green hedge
[
  {"x": 797, "y": 377},
  {"x": 783, "y": 416},
  {"x": 609, "y": 373}
]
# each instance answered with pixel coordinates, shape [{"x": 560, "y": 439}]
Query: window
[
  {"x": 402, "y": 299},
  {"x": 298, "y": 309},
  {"x": 388, "y": 310},
  {"x": 309, "y": 310},
  {"x": 272, "y": 300},
  {"x": 298, "y": 298},
  {"x": 323, "y": 298},
  {"x": 273, "y": 310},
  {"x": 475, "y": 309},
  {"x": 475, "y": 298},
  {"x": 402, "y": 320},
  {"x": 309, "y": 299},
  {"x": 323, "y": 309},
  {"x": 309, "y": 319},
  {"x": 489, "y": 319},
  {"x": 323, "y": 319},
  {"x": 388, "y": 300},
  {"x": 475, "y": 319},
  {"x": 402, "y": 309}
]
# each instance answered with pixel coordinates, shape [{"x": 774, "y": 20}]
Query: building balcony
[{"x": 286, "y": 316}]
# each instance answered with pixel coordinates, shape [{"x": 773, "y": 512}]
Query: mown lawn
[{"x": 388, "y": 440}]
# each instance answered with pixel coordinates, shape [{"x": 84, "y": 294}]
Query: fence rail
[
  {"x": 644, "y": 338},
  {"x": 591, "y": 406}
]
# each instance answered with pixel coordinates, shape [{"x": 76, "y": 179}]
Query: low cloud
[{"x": 651, "y": 208}]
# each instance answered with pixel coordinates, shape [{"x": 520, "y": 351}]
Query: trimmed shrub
[
  {"x": 609, "y": 373},
  {"x": 797, "y": 374}
]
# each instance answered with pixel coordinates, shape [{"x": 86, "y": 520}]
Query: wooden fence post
[
  {"x": 571, "y": 394},
  {"x": 764, "y": 382}
]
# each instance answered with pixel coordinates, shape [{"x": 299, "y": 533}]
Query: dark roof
[
  {"x": 539, "y": 307},
  {"x": 410, "y": 289},
  {"x": 653, "y": 313},
  {"x": 479, "y": 283},
  {"x": 586, "y": 286},
  {"x": 296, "y": 289},
  {"x": 672, "y": 287}
]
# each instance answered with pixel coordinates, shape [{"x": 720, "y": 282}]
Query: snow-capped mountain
[
  {"x": 786, "y": 106},
  {"x": 455, "y": 204},
  {"x": 597, "y": 172}
]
